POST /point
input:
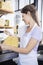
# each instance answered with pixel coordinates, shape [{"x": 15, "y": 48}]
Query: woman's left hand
[{"x": 5, "y": 47}]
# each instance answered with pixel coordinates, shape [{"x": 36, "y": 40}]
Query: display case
[{"x": 5, "y": 9}]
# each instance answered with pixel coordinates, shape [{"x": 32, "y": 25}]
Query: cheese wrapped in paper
[
  {"x": 7, "y": 5},
  {"x": 13, "y": 41}
]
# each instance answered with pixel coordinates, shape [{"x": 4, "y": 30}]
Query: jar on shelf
[{"x": 6, "y": 23}]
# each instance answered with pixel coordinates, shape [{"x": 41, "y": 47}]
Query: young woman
[{"x": 30, "y": 40}]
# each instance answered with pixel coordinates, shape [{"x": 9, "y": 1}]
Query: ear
[{"x": 28, "y": 13}]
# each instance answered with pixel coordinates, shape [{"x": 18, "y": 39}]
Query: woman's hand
[{"x": 5, "y": 47}]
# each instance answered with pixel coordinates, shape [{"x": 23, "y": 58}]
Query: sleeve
[{"x": 37, "y": 34}]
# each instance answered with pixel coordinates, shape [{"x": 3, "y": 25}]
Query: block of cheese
[
  {"x": 2, "y": 22},
  {"x": 11, "y": 40},
  {"x": 6, "y": 5},
  {"x": 0, "y": 4}
]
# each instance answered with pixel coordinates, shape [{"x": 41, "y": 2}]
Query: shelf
[
  {"x": 2, "y": 11},
  {"x": 1, "y": 31},
  {"x": 6, "y": 27},
  {"x": 1, "y": 15}
]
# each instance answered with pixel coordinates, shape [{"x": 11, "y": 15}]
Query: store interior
[{"x": 11, "y": 24}]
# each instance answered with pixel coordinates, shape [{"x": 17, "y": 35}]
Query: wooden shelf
[
  {"x": 1, "y": 15},
  {"x": 2, "y": 11},
  {"x": 6, "y": 27}
]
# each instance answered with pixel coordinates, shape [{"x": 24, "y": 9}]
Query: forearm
[
  {"x": 25, "y": 50},
  {"x": 19, "y": 50}
]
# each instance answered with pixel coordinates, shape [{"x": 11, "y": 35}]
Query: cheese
[
  {"x": 0, "y": 4},
  {"x": 6, "y": 5},
  {"x": 2, "y": 22},
  {"x": 13, "y": 41}
]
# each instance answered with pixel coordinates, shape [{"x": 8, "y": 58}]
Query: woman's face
[{"x": 26, "y": 18}]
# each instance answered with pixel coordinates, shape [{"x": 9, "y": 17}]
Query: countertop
[{"x": 7, "y": 55}]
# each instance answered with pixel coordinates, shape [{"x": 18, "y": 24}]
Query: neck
[{"x": 31, "y": 26}]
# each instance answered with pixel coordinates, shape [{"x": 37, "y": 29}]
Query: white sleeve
[{"x": 37, "y": 34}]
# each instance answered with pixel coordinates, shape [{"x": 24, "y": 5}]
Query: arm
[{"x": 25, "y": 50}]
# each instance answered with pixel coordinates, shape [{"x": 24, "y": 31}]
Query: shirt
[{"x": 34, "y": 33}]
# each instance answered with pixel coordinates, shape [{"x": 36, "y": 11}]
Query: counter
[{"x": 7, "y": 55}]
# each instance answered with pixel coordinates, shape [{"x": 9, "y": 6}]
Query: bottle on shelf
[{"x": 16, "y": 29}]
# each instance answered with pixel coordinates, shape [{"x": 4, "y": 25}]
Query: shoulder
[
  {"x": 37, "y": 29},
  {"x": 37, "y": 33}
]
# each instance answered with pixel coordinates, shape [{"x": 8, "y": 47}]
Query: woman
[{"x": 30, "y": 39}]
